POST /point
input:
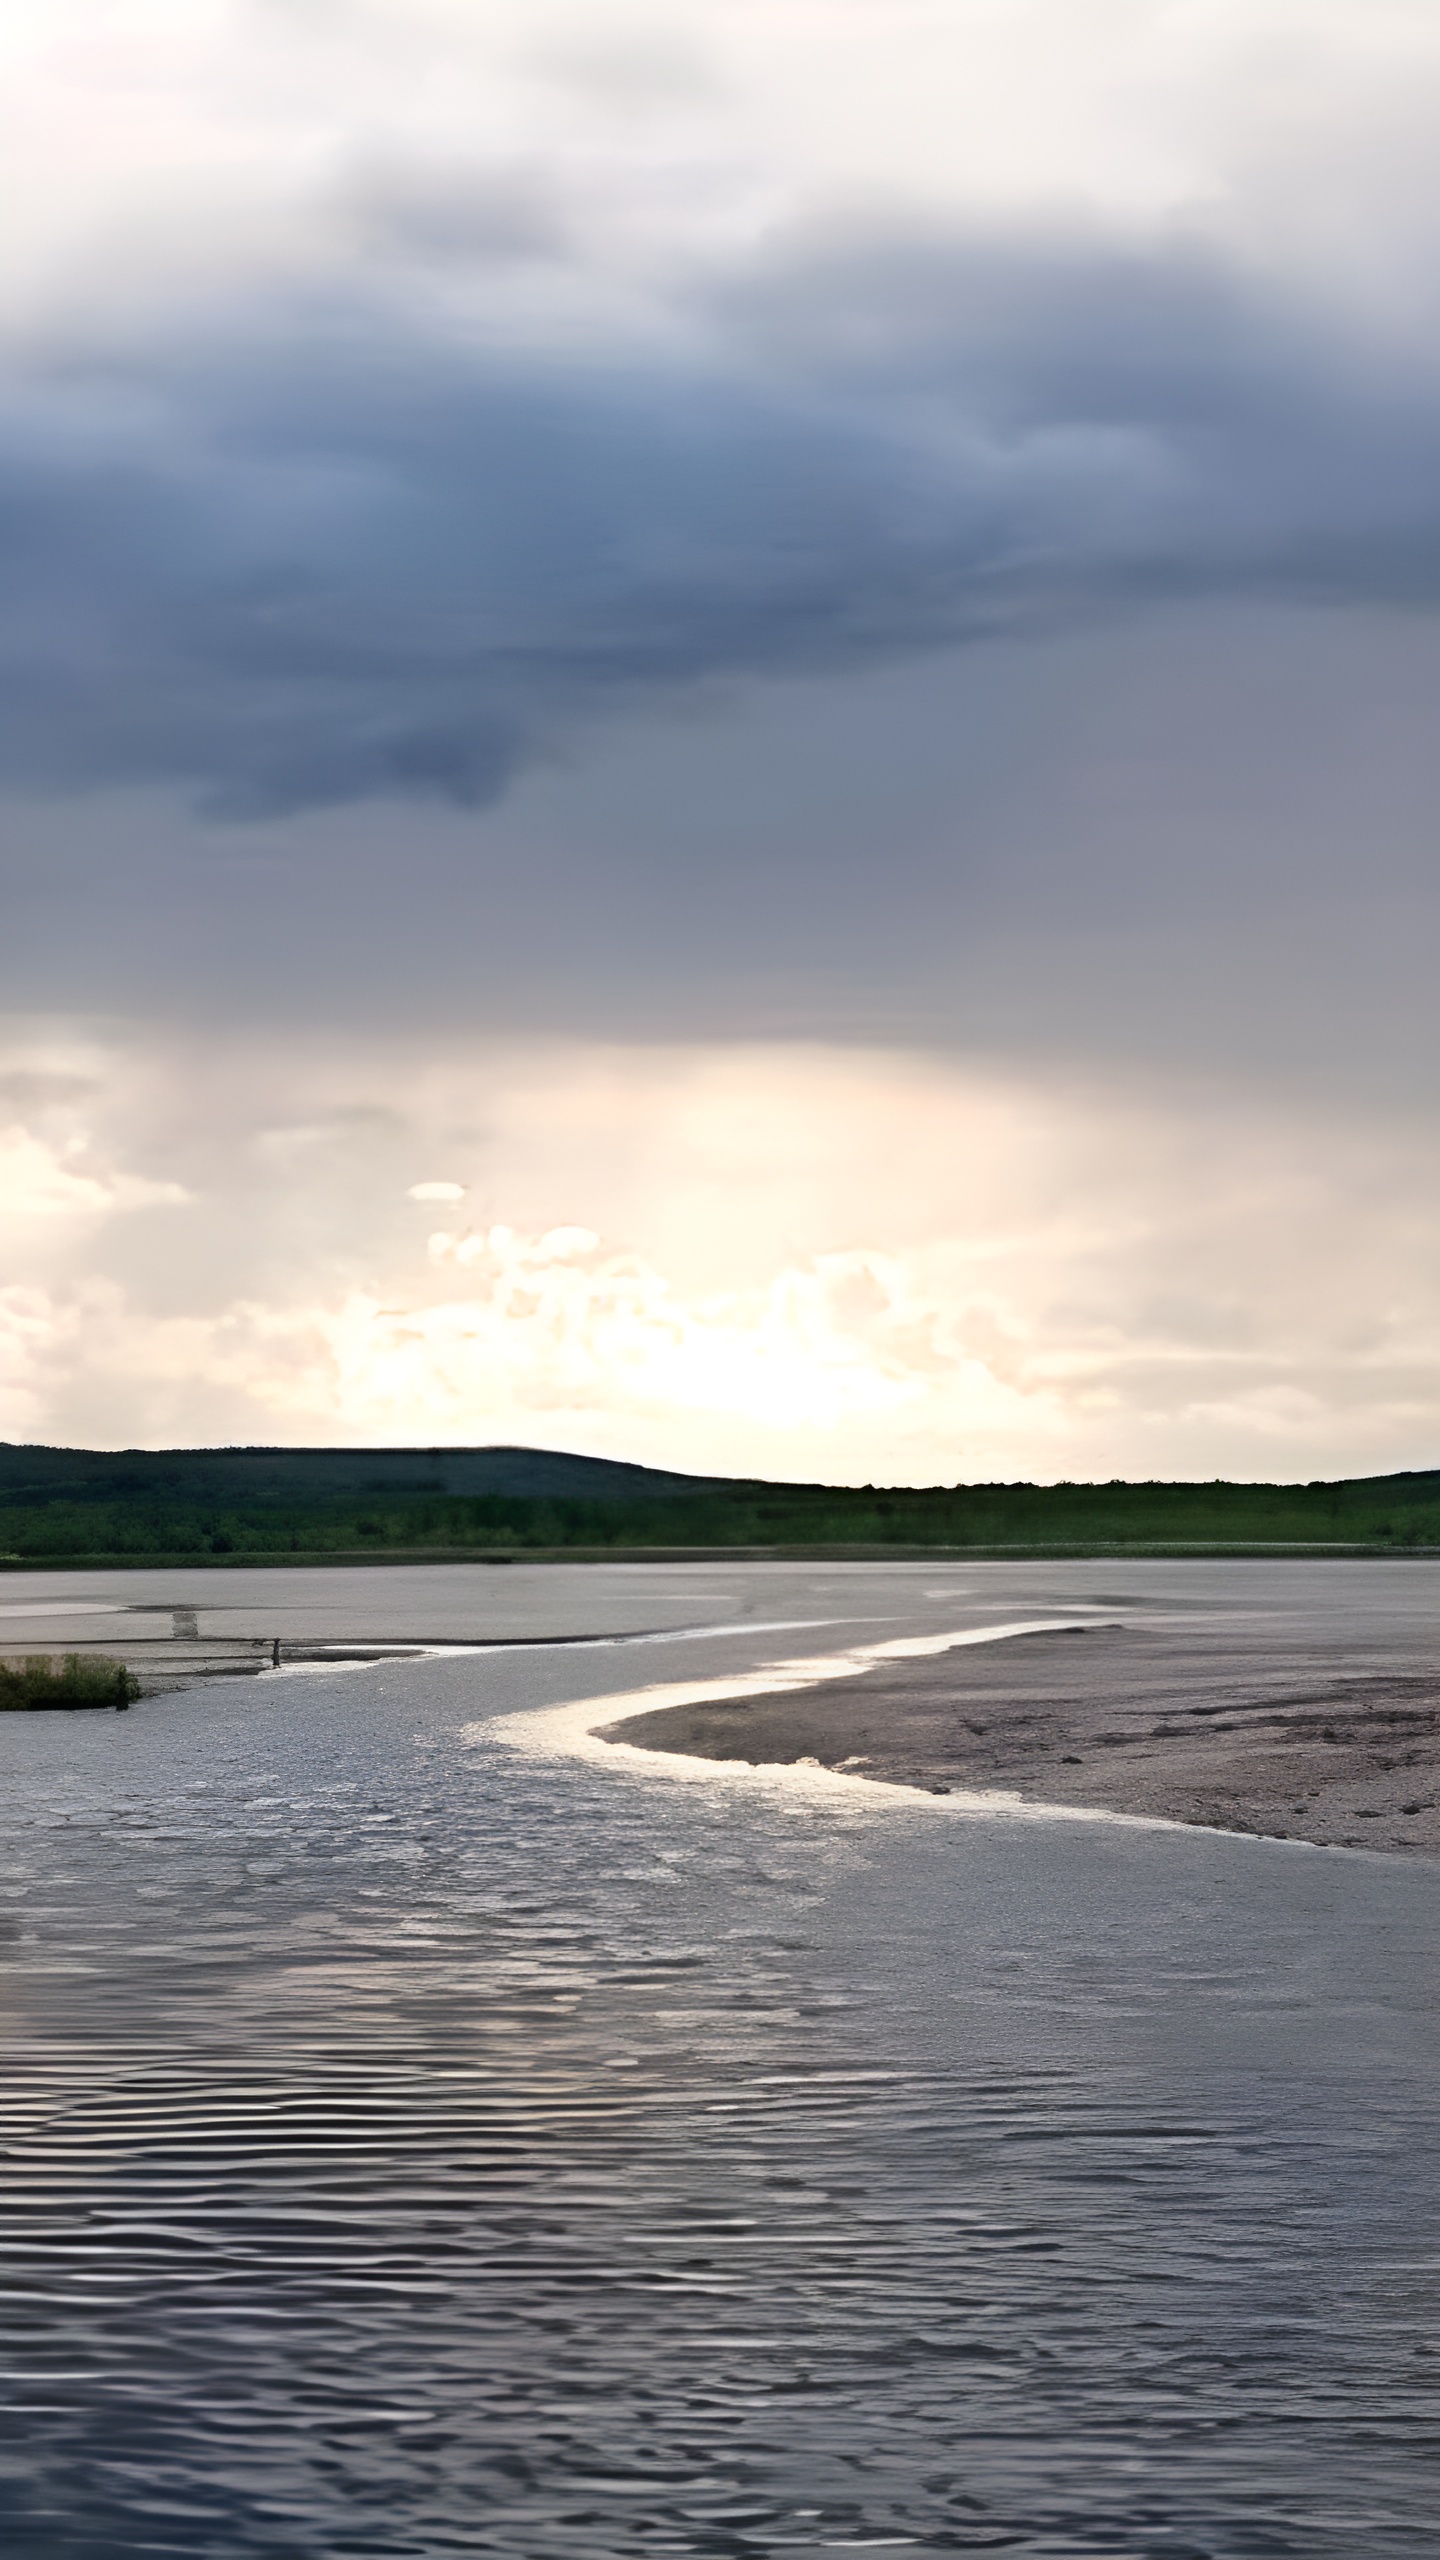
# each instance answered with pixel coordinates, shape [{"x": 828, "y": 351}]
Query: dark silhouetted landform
[{"x": 81, "y": 1506}]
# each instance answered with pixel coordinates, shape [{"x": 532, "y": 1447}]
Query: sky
[{"x": 718, "y": 731}]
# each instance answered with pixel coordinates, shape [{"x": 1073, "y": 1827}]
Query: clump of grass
[{"x": 80, "y": 1680}]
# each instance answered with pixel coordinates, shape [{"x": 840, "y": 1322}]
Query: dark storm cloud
[{"x": 331, "y": 556}]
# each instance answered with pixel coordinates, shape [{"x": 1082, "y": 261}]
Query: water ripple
[{"x": 471, "y": 2154}]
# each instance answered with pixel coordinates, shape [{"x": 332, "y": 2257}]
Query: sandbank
[{"x": 1243, "y": 1732}]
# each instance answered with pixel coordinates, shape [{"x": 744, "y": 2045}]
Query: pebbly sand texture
[{"x": 1245, "y": 1731}]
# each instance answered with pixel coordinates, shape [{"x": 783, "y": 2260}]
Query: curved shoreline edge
[
  {"x": 589, "y": 1728},
  {"x": 1091, "y": 1718}
]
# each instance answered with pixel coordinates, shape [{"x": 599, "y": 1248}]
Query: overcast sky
[{"x": 788, "y": 655}]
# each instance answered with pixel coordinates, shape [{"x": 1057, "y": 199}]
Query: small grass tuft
[{"x": 79, "y": 1680}]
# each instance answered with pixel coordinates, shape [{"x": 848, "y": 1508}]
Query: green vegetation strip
[
  {"x": 189, "y": 1507},
  {"x": 77, "y": 1680}
]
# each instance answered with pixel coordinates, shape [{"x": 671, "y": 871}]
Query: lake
[{"x": 428, "y": 2138}]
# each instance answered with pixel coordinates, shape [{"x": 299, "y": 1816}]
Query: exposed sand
[{"x": 1243, "y": 1732}]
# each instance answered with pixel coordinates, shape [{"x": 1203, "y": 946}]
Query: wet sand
[{"x": 1243, "y": 1730}]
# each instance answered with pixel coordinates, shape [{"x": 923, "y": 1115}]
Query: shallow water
[{"x": 424, "y": 2144}]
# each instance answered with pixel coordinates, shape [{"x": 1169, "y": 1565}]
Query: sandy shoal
[{"x": 1241, "y": 1733}]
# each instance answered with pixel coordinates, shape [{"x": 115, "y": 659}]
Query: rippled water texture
[{"x": 427, "y": 2145}]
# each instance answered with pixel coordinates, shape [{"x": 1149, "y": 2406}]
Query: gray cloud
[
  {"x": 434, "y": 214},
  {"x": 330, "y": 555},
  {"x": 1197, "y": 842}
]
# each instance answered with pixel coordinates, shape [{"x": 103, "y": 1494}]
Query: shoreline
[
  {"x": 1192, "y": 1550},
  {"x": 1107, "y": 1719}
]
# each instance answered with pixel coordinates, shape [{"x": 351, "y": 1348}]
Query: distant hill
[
  {"x": 308, "y": 1475},
  {"x": 73, "y": 1506}
]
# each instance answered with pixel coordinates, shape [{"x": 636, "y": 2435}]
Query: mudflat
[{"x": 1241, "y": 1729}]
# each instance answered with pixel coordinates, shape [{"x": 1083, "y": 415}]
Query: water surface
[{"x": 425, "y": 2145}]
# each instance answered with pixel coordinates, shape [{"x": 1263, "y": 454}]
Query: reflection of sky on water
[{"x": 424, "y": 2144}]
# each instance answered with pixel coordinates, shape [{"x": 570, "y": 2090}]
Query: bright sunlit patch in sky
[
  {"x": 1067, "y": 1285},
  {"x": 781, "y": 659}
]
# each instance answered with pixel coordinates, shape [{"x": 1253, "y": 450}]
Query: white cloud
[
  {"x": 43, "y": 1181},
  {"x": 791, "y": 1262},
  {"x": 173, "y": 145}
]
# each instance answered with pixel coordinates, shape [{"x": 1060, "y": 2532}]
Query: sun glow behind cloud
[
  {"x": 851, "y": 1265},
  {"x": 896, "y": 521}
]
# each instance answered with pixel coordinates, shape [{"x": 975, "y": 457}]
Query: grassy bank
[{"x": 73, "y": 1681}]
